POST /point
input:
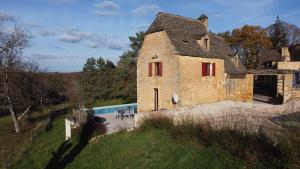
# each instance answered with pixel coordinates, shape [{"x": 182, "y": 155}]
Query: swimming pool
[
  {"x": 291, "y": 120},
  {"x": 114, "y": 108}
]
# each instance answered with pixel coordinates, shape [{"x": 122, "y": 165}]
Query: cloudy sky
[{"x": 66, "y": 32}]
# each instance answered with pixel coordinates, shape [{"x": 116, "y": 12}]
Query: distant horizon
[{"x": 67, "y": 32}]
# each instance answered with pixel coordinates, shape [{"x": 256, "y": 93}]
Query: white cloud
[
  {"x": 73, "y": 35},
  {"x": 5, "y": 17},
  {"x": 114, "y": 46},
  {"x": 91, "y": 39},
  {"x": 145, "y": 9},
  {"x": 92, "y": 45},
  {"x": 38, "y": 56},
  {"x": 106, "y": 8},
  {"x": 70, "y": 38},
  {"x": 107, "y": 5}
]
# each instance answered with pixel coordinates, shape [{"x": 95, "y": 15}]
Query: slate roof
[
  {"x": 184, "y": 33},
  {"x": 268, "y": 55}
]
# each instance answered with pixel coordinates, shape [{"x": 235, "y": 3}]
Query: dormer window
[{"x": 206, "y": 44}]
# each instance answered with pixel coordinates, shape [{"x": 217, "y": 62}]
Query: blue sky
[{"x": 66, "y": 32}]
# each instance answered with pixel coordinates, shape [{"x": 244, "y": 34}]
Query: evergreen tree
[
  {"x": 278, "y": 34},
  {"x": 103, "y": 80},
  {"x": 127, "y": 68},
  {"x": 100, "y": 64},
  {"x": 90, "y": 65}
]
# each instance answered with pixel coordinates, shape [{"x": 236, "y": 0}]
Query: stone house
[
  {"x": 277, "y": 75},
  {"x": 181, "y": 63}
]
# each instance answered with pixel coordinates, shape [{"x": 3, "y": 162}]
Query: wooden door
[{"x": 155, "y": 99}]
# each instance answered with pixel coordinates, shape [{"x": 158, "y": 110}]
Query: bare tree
[
  {"x": 293, "y": 33},
  {"x": 12, "y": 44}
]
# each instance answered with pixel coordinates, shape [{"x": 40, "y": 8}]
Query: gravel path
[{"x": 234, "y": 107}]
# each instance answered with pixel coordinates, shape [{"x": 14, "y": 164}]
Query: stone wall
[
  {"x": 196, "y": 89},
  {"x": 289, "y": 65},
  {"x": 240, "y": 89},
  {"x": 288, "y": 90}
]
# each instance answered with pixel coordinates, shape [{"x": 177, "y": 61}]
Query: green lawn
[{"x": 138, "y": 149}]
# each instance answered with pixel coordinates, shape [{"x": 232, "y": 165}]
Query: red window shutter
[
  {"x": 204, "y": 68},
  {"x": 214, "y": 69},
  {"x": 160, "y": 68},
  {"x": 150, "y": 69}
]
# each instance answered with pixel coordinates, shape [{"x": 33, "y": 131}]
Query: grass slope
[
  {"x": 13, "y": 146},
  {"x": 138, "y": 149},
  {"x": 151, "y": 149}
]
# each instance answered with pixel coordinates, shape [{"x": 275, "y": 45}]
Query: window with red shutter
[
  {"x": 207, "y": 70},
  {"x": 214, "y": 69},
  {"x": 160, "y": 69},
  {"x": 150, "y": 69},
  {"x": 204, "y": 69}
]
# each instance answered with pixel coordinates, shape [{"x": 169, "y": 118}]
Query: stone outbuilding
[
  {"x": 181, "y": 63},
  {"x": 277, "y": 76}
]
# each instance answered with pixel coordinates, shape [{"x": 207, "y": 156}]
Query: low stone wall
[
  {"x": 290, "y": 92},
  {"x": 240, "y": 89}
]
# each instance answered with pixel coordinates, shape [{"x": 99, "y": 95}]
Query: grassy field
[
  {"x": 139, "y": 149},
  {"x": 13, "y": 146}
]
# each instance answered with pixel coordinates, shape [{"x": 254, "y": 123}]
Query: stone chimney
[
  {"x": 204, "y": 20},
  {"x": 285, "y": 54}
]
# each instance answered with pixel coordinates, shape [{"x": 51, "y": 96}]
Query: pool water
[
  {"x": 288, "y": 120},
  {"x": 114, "y": 108}
]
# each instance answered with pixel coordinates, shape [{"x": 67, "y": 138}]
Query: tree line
[
  {"x": 103, "y": 80},
  {"x": 248, "y": 40}
]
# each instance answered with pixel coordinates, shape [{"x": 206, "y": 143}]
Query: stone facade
[
  {"x": 240, "y": 89},
  {"x": 292, "y": 65},
  {"x": 196, "y": 89},
  {"x": 288, "y": 91},
  {"x": 156, "y": 48}
]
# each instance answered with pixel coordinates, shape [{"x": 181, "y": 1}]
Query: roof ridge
[{"x": 178, "y": 16}]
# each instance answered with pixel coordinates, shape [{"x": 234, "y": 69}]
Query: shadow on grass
[{"x": 60, "y": 160}]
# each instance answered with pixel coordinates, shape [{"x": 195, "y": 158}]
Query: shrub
[
  {"x": 158, "y": 122},
  {"x": 253, "y": 147}
]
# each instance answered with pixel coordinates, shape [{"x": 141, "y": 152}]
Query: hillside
[{"x": 138, "y": 149}]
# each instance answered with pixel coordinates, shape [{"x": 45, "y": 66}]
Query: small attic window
[{"x": 206, "y": 44}]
